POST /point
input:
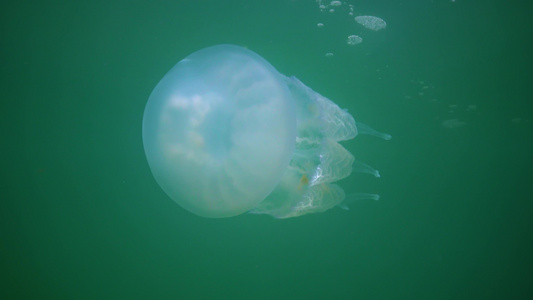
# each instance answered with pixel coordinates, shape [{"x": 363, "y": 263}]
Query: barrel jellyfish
[{"x": 225, "y": 133}]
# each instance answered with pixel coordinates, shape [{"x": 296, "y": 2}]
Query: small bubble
[
  {"x": 453, "y": 123},
  {"x": 354, "y": 40},
  {"x": 471, "y": 107}
]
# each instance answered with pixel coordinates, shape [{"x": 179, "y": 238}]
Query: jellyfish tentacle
[
  {"x": 361, "y": 167},
  {"x": 361, "y": 196},
  {"x": 365, "y": 129},
  {"x": 353, "y": 197}
]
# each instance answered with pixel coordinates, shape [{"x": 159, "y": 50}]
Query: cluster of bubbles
[
  {"x": 449, "y": 115},
  {"x": 369, "y": 22},
  {"x": 331, "y": 6},
  {"x": 372, "y": 23}
]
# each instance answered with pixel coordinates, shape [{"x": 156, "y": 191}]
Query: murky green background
[{"x": 82, "y": 217}]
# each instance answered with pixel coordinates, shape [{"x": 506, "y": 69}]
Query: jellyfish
[{"x": 225, "y": 133}]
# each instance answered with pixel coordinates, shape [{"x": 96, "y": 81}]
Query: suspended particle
[
  {"x": 319, "y": 25},
  {"x": 370, "y": 22},
  {"x": 471, "y": 107},
  {"x": 335, "y": 3},
  {"x": 453, "y": 123}
]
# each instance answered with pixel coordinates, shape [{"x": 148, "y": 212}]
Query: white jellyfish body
[{"x": 225, "y": 133}]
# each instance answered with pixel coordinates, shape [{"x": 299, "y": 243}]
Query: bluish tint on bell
[{"x": 225, "y": 133}]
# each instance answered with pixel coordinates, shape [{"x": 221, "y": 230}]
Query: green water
[{"x": 81, "y": 216}]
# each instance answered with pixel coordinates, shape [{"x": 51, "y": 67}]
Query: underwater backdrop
[{"x": 82, "y": 217}]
